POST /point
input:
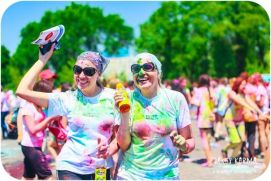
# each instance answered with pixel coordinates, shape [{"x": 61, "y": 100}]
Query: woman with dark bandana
[
  {"x": 156, "y": 130},
  {"x": 90, "y": 110}
]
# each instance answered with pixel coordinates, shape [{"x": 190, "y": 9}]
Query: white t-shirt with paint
[
  {"x": 151, "y": 155},
  {"x": 89, "y": 118}
]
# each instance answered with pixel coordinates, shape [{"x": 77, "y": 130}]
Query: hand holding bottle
[{"x": 122, "y": 99}]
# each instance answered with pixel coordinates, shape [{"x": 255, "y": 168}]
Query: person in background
[
  {"x": 157, "y": 129},
  {"x": 34, "y": 123},
  {"x": 204, "y": 99},
  {"x": 184, "y": 89},
  {"x": 48, "y": 75},
  {"x": 65, "y": 87},
  {"x": 167, "y": 84},
  {"x": 221, "y": 106},
  {"x": 5, "y": 109},
  {"x": 262, "y": 101},
  {"x": 234, "y": 119}
]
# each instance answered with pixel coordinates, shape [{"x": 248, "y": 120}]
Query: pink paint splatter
[
  {"x": 143, "y": 130},
  {"x": 106, "y": 126},
  {"x": 162, "y": 130},
  {"x": 78, "y": 122},
  {"x": 90, "y": 161}
]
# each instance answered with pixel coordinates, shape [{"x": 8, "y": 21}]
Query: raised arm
[
  {"x": 24, "y": 89},
  {"x": 123, "y": 133}
]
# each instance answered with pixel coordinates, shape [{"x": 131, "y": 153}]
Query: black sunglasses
[
  {"x": 148, "y": 67},
  {"x": 88, "y": 71}
]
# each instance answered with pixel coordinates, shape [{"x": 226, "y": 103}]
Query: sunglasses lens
[
  {"x": 77, "y": 70},
  {"x": 135, "y": 68},
  {"x": 148, "y": 67},
  {"x": 89, "y": 71}
]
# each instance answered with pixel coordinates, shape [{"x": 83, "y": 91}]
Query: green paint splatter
[
  {"x": 136, "y": 140},
  {"x": 138, "y": 114},
  {"x": 139, "y": 60},
  {"x": 169, "y": 174}
]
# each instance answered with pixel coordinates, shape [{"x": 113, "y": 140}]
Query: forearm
[
  {"x": 123, "y": 133},
  {"x": 24, "y": 89},
  {"x": 113, "y": 147},
  {"x": 239, "y": 100},
  {"x": 40, "y": 126},
  {"x": 253, "y": 104},
  {"x": 29, "y": 78},
  {"x": 25, "y": 86}
]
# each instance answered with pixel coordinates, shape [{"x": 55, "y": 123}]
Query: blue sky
[{"x": 20, "y": 14}]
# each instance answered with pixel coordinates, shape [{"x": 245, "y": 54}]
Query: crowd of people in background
[
  {"x": 234, "y": 109},
  {"x": 239, "y": 104}
]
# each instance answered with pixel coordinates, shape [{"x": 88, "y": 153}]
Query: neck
[
  {"x": 92, "y": 92},
  {"x": 150, "y": 93}
]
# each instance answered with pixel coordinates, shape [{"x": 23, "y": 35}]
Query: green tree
[
  {"x": 8, "y": 71},
  {"x": 218, "y": 38},
  {"x": 86, "y": 28},
  {"x": 5, "y": 59}
]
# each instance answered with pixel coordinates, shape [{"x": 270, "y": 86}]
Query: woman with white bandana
[
  {"x": 90, "y": 110},
  {"x": 157, "y": 130}
]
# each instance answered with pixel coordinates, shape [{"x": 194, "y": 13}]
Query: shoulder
[
  {"x": 171, "y": 92},
  {"x": 59, "y": 95},
  {"x": 108, "y": 91},
  {"x": 173, "y": 95},
  {"x": 107, "y": 94}
]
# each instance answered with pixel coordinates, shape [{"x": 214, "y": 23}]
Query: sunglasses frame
[
  {"x": 142, "y": 67},
  {"x": 84, "y": 70}
]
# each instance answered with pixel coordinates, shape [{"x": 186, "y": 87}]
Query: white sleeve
[
  {"x": 57, "y": 104},
  {"x": 183, "y": 118}
]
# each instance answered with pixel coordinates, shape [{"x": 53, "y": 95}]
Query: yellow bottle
[
  {"x": 100, "y": 171},
  {"x": 124, "y": 105}
]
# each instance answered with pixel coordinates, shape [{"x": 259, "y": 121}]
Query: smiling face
[
  {"x": 85, "y": 83},
  {"x": 146, "y": 81}
]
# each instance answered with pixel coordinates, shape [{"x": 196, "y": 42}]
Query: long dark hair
[
  {"x": 204, "y": 80},
  {"x": 236, "y": 84}
]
